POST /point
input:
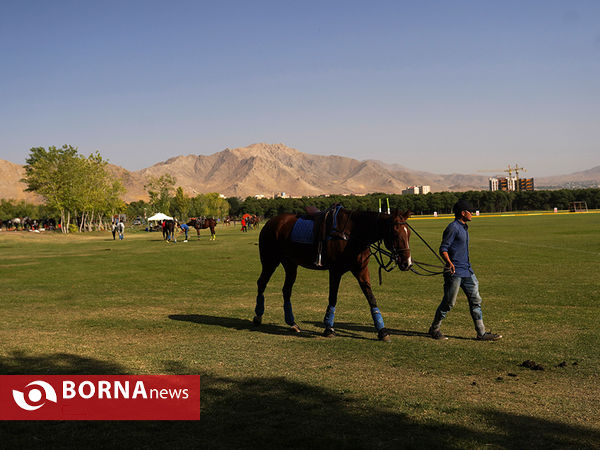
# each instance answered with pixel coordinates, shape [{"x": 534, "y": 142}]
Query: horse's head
[{"x": 397, "y": 239}]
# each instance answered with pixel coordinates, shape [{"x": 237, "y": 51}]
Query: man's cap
[{"x": 462, "y": 205}]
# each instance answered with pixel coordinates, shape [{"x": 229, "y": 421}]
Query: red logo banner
[{"x": 100, "y": 397}]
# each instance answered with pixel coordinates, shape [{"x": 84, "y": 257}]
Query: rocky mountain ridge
[{"x": 266, "y": 169}]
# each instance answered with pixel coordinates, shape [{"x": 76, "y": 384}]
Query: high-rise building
[
  {"x": 511, "y": 184},
  {"x": 416, "y": 190},
  {"x": 526, "y": 184}
]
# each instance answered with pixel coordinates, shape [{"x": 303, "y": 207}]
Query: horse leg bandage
[
  {"x": 289, "y": 315},
  {"x": 329, "y": 316},
  {"x": 377, "y": 319},
  {"x": 260, "y": 305}
]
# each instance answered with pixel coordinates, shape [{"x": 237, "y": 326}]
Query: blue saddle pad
[{"x": 303, "y": 232}]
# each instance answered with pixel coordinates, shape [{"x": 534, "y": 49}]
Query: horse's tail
[{"x": 267, "y": 241}]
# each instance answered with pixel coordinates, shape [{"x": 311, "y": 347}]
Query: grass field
[{"x": 85, "y": 304}]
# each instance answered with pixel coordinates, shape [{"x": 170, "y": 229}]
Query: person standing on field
[
  {"x": 121, "y": 230},
  {"x": 459, "y": 274}
]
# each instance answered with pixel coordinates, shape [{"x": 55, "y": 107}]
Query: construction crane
[
  {"x": 516, "y": 169},
  {"x": 510, "y": 171}
]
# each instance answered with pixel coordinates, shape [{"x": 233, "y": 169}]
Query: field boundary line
[{"x": 449, "y": 216}]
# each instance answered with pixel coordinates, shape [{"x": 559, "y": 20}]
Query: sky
[{"x": 441, "y": 86}]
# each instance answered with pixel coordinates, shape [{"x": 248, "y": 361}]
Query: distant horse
[
  {"x": 201, "y": 223},
  {"x": 169, "y": 231},
  {"x": 252, "y": 222},
  {"x": 346, "y": 248},
  {"x": 16, "y": 222}
]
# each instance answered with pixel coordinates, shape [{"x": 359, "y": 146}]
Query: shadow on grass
[
  {"x": 19, "y": 363},
  {"x": 239, "y": 324},
  {"x": 349, "y": 329},
  {"x": 275, "y": 412}
]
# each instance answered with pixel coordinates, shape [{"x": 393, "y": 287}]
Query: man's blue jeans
[{"x": 470, "y": 287}]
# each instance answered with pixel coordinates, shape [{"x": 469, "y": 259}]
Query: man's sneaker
[
  {"x": 437, "y": 334},
  {"x": 487, "y": 336}
]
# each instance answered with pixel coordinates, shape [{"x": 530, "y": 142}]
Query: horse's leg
[
  {"x": 213, "y": 235},
  {"x": 364, "y": 280},
  {"x": 334, "y": 285},
  {"x": 198, "y": 232},
  {"x": 268, "y": 267},
  {"x": 291, "y": 270}
]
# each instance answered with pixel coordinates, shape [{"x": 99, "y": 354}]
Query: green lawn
[{"x": 85, "y": 304}]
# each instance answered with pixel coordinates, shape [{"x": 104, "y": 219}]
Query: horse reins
[
  {"x": 428, "y": 272},
  {"x": 379, "y": 253}
]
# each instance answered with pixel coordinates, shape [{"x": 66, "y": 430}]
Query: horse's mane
[{"x": 367, "y": 225}]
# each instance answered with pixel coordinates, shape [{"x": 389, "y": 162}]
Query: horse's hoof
[
  {"x": 329, "y": 332},
  {"x": 257, "y": 320},
  {"x": 384, "y": 335},
  {"x": 295, "y": 328}
]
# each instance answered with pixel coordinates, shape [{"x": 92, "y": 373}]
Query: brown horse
[
  {"x": 252, "y": 222},
  {"x": 168, "y": 230},
  {"x": 200, "y": 224},
  {"x": 347, "y": 248}
]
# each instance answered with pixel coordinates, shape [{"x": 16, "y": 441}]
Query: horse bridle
[{"x": 379, "y": 253}]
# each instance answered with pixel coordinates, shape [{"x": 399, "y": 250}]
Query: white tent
[{"x": 159, "y": 216}]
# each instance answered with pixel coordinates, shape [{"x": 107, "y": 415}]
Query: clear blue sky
[{"x": 441, "y": 86}]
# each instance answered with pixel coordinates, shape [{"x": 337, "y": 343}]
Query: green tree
[
  {"x": 138, "y": 209},
  {"x": 234, "y": 205},
  {"x": 159, "y": 190},
  {"x": 180, "y": 204},
  {"x": 210, "y": 205},
  {"x": 72, "y": 184},
  {"x": 54, "y": 175}
]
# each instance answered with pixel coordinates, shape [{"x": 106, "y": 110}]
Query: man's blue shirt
[
  {"x": 455, "y": 241},
  {"x": 184, "y": 227}
]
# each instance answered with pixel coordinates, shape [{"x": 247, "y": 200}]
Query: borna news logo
[
  {"x": 35, "y": 396},
  {"x": 96, "y": 397}
]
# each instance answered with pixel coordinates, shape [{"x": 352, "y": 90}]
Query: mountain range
[{"x": 267, "y": 169}]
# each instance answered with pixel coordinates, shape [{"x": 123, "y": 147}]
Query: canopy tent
[{"x": 159, "y": 216}]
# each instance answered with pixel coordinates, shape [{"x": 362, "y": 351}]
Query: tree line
[
  {"x": 80, "y": 189},
  {"x": 73, "y": 185},
  {"x": 440, "y": 202},
  {"x": 165, "y": 198}
]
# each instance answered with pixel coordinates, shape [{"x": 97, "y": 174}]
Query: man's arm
[
  {"x": 449, "y": 264},
  {"x": 447, "y": 240}
]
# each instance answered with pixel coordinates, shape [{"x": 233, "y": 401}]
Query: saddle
[{"x": 325, "y": 227}]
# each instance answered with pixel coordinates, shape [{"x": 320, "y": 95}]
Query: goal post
[{"x": 578, "y": 207}]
